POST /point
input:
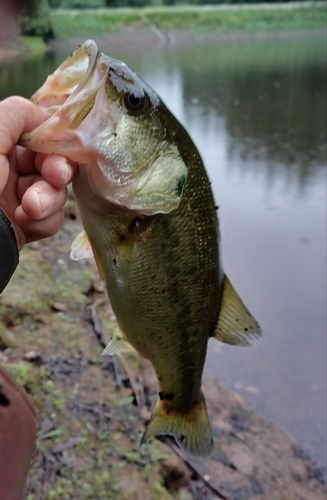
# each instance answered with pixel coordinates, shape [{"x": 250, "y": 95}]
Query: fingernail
[{"x": 45, "y": 200}]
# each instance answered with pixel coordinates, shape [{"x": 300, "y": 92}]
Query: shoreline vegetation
[
  {"x": 199, "y": 20},
  {"x": 166, "y": 24},
  {"x": 63, "y": 24}
]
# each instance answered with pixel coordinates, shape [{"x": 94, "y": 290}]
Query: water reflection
[
  {"x": 274, "y": 112},
  {"x": 257, "y": 112}
]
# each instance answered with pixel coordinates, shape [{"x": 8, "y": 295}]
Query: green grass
[
  {"x": 67, "y": 24},
  {"x": 34, "y": 44},
  {"x": 85, "y": 23}
]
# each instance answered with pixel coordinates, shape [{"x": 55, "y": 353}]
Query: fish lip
[
  {"x": 92, "y": 50},
  {"x": 79, "y": 100},
  {"x": 63, "y": 77},
  {"x": 89, "y": 48}
]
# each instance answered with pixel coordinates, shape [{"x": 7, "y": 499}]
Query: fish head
[{"x": 103, "y": 116}]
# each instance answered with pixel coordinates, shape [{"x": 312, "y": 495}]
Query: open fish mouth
[
  {"x": 69, "y": 79},
  {"x": 69, "y": 95}
]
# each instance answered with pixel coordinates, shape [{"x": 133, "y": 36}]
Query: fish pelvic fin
[
  {"x": 190, "y": 429},
  {"x": 118, "y": 343},
  {"x": 236, "y": 325},
  {"x": 81, "y": 247}
]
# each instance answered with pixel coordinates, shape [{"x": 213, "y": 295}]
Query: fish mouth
[
  {"x": 69, "y": 78},
  {"x": 69, "y": 95}
]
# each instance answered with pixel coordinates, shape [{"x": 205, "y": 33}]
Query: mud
[{"x": 54, "y": 320}]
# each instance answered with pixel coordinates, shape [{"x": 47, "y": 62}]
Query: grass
[
  {"x": 34, "y": 44},
  {"x": 67, "y": 24}
]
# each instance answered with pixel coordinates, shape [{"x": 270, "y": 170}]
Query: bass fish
[{"x": 150, "y": 220}]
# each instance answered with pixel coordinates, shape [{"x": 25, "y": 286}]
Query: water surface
[{"x": 257, "y": 112}]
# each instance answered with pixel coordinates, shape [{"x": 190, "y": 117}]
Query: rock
[
  {"x": 7, "y": 339},
  {"x": 59, "y": 307},
  {"x": 175, "y": 474}
]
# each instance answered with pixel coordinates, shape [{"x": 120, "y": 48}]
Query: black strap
[{"x": 9, "y": 255}]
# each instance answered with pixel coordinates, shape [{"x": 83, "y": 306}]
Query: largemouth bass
[{"x": 151, "y": 222}]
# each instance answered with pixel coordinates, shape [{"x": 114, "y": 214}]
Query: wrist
[{"x": 9, "y": 255}]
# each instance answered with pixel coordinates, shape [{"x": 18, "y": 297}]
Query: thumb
[{"x": 17, "y": 115}]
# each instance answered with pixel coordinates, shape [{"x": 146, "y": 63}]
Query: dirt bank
[
  {"x": 6, "y": 53},
  {"x": 54, "y": 319}
]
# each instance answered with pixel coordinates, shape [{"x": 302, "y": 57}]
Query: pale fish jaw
[{"x": 68, "y": 77}]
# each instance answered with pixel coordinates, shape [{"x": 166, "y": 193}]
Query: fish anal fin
[
  {"x": 191, "y": 429},
  {"x": 236, "y": 325},
  {"x": 118, "y": 343},
  {"x": 81, "y": 247}
]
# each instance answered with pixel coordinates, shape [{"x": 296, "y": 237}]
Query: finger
[
  {"x": 39, "y": 159},
  {"x": 25, "y": 161},
  {"x": 18, "y": 115},
  {"x": 23, "y": 183},
  {"x": 58, "y": 170},
  {"x": 36, "y": 230},
  {"x": 41, "y": 200},
  {"x": 4, "y": 172}
]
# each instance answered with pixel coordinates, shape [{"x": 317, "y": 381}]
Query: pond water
[{"x": 257, "y": 112}]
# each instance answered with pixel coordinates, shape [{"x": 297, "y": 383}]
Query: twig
[
  {"x": 114, "y": 362},
  {"x": 94, "y": 320},
  {"x": 137, "y": 388},
  {"x": 189, "y": 464}
]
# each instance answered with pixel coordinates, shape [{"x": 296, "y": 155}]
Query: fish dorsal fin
[
  {"x": 118, "y": 343},
  {"x": 236, "y": 325},
  {"x": 81, "y": 247}
]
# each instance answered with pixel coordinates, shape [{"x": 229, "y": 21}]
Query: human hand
[{"x": 32, "y": 202}]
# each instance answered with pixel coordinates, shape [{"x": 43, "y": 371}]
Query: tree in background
[
  {"x": 77, "y": 4},
  {"x": 34, "y": 19}
]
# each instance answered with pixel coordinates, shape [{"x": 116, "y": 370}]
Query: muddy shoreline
[{"x": 55, "y": 318}]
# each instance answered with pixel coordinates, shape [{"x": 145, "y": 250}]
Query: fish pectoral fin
[
  {"x": 81, "y": 247},
  {"x": 190, "y": 429},
  {"x": 236, "y": 325},
  {"x": 118, "y": 343}
]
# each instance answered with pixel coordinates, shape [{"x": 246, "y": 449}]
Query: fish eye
[{"x": 135, "y": 104}]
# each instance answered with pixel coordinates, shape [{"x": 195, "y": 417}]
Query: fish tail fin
[{"x": 190, "y": 429}]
